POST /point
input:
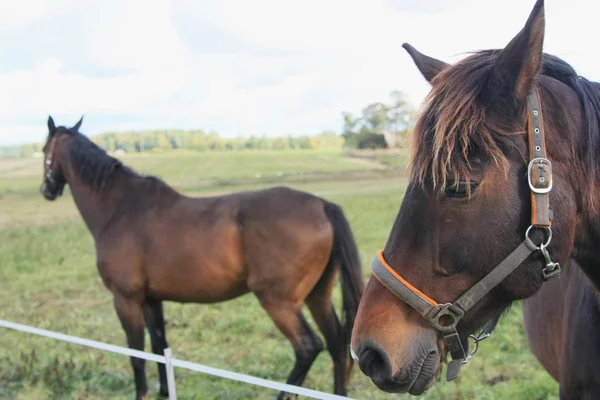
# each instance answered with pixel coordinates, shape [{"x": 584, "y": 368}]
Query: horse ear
[
  {"x": 428, "y": 66},
  {"x": 77, "y": 125},
  {"x": 519, "y": 63},
  {"x": 51, "y": 126}
]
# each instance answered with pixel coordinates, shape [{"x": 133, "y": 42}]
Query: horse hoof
[{"x": 164, "y": 392}]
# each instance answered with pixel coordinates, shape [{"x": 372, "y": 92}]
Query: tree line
[
  {"x": 379, "y": 125},
  {"x": 167, "y": 140},
  {"x": 157, "y": 141}
]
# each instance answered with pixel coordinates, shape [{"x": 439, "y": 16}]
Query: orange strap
[{"x": 408, "y": 285}]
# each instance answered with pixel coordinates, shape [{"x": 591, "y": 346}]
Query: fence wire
[{"x": 173, "y": 362}]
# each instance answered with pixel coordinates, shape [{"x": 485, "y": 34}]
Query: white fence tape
[{"x": 174, "y": 362}]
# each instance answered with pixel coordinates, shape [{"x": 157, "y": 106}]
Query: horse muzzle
[
  {"x": 52, "y": 191},
  {"x": 412, "y": 375}
]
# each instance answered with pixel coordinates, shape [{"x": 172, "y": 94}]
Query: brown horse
[
  {"x": 154, "y": 244},
  {"x": 504, "y": 183},
  {"x": 562, "y": 322}
]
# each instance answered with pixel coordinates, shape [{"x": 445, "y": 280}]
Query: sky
[{"x": 240, "y": 67}]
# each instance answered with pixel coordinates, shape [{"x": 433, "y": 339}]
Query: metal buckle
[
  {"x": 445, "y": 309},
  {"x": 540, "y": 160}
]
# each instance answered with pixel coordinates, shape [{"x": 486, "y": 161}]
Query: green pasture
[{"x": 48, "y": 279}]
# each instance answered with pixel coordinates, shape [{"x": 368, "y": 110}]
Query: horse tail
[{"x": 345, "y": 255}]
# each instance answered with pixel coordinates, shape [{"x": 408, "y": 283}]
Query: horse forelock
[
  {"x": 457, "y": 119},
  {"x": 454, "y": 122}
]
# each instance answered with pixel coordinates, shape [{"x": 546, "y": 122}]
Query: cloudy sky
[{"x": 245, "y": 67}]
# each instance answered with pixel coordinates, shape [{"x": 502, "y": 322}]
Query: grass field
[{"x": 48, "y": 279}]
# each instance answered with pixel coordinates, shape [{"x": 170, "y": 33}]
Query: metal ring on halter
[
  {"x": 476, "y": 339},
  {"x": 548, "y": 231}
]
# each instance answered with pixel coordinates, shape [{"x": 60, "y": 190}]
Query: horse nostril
[{"x": 375, "y": 363}]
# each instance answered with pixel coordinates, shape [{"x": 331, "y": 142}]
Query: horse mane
[
  {"x": 456, "y": 121},
  {"x": 94, "y": 166}
]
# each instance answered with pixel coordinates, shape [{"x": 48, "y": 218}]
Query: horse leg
[
  {"x": 307, "y": 345},
  {"x": 131, "y": 316},
  {"x": 321, "y": 307},
  {"x": 154, "y": 317},
  {"x": 329, "y": 324}
]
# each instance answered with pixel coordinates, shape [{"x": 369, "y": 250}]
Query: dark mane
[
  {"x": 455, "y": 121},
  {"x": 93, "y": 165}
]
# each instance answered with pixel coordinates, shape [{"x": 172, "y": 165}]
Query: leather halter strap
[
  {"x": 539, "y": 170},
  {"x": 445, "y": 317}
]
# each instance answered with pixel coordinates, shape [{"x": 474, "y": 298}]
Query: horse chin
[
  {"x": 52, "y": 195},
  {"x": 430, "y": 372},
  {"x": 49, "y": 195}
]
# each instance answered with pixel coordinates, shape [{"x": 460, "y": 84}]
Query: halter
[
  {"x": 445, "y": 317},
  {"x": 49, "y": 173}
]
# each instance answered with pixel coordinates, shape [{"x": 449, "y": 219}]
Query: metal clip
[
  {"x": 552, "y": 268},
  {"x": 476, "y": 339}
]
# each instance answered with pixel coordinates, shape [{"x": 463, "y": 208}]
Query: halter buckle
[
  {"x": 442, "y": 310},
  {"x": 540, "y": 169}
]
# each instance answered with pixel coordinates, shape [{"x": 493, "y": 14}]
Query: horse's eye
[{"x": 460, "y": 189}]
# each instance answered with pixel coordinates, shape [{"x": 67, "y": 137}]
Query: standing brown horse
[
  {"x": 504, "y": 183},
  {"x": 154, "y": 244},
  {"x": 562, "y": 322}
]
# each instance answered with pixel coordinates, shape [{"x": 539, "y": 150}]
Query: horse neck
[
  {"x": 583, "y": 177},
  {"x": 586, "y": 250},
  {"x": 97, "y": 205}
]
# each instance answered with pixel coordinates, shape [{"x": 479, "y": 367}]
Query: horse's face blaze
[{"x": 465, "y": 210}]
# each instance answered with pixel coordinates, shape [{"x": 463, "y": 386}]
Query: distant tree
[
  {"x": 280, "y": 144},
  {"x": 109, "y": 142},
  {"x": 402, "y": 117},
  {"x": 349, "y": 132},
  {"x": 252, "y": 143},
  {"x": 375, "y": 117},
  {"x": 163, "y": 142},
  {"x": 263, "y": 143},
  {"x": 392, "y": 121}
]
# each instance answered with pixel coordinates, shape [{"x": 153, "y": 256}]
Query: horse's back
[{"x": 281, "y": 203}]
